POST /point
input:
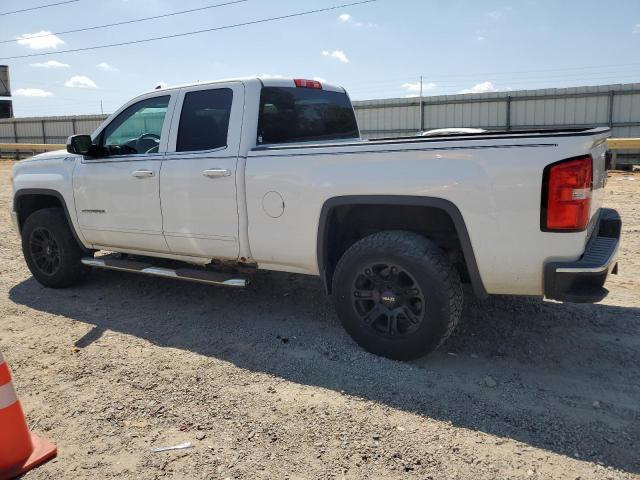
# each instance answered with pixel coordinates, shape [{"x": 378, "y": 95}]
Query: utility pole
[
  {"x": 101, "y": 109},
  {"x": 421, "y": 123}
]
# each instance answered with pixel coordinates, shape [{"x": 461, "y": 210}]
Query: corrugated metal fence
[
  {"x": 47, "y": 129},
  {"x": 617, "y": 106}
]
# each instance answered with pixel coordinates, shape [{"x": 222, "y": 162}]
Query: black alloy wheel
[
  {"x": 44, "y": 251},
  {"x": 388, "y": 300}
]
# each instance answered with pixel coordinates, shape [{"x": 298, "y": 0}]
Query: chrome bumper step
[{"x": 190, "y": 274}]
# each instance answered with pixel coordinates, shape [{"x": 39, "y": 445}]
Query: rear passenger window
[{"x": 204, "y": 121}]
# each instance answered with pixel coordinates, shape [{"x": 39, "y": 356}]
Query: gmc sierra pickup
[{"x": 212, "y": 181}]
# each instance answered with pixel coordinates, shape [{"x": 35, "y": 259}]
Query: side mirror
[{"x": 80, "y": 145}]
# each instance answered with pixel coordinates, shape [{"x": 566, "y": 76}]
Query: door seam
[{"x": 164, "y": 237}]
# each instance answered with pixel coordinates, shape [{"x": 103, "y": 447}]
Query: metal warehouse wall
[
  {"x": 47, "y": 129},
  {"x": 617, "y": 106}
]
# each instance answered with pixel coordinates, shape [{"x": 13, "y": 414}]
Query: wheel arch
[
  {"x": 326, "y": 256},
  {"x": 28, "y": 200}
]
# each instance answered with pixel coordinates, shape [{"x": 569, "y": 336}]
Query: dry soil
[{"x": 265, "y": 383}]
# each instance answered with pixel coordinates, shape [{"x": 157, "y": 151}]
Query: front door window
[{"x": 137, "y": 130}]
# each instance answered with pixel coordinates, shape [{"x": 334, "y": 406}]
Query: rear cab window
[{"x": 291, "y": 114}]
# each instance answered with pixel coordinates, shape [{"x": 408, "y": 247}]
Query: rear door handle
[
  {"x": 216, "y": 172},
  {"x": 144, "y": 173}
]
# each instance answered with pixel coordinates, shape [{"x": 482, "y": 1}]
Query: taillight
[
  {"x": 302, "y": 83},
  {"x": 566, "y": 195}
]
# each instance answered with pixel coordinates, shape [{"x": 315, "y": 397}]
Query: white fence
[
  {"x": 47, "y": 129},
  {"x": 616, "y": 106}
]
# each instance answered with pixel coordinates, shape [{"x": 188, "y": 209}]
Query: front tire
[
  {"x": 397, "y": 295},
  {"x": 50, "y": 249}
]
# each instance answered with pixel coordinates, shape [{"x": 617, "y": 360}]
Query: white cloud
[
  {"x": 40, "y": 40},
  {"x": 348, "y": 19},
  {"x": 31, "y": 92},
  {"x": 497, "y": 15},
  {"x": 337, "y": 54},
  {"x": 51, "y": 64},
  {"x": 414, "y": 87},
  {"x": 80, "y": 81},
  {"x": 636, "y": 29},
  {"x": 481, "y": 35},
  {"x": 483, "y": 87},
  {"x": 106, "y": 67}
]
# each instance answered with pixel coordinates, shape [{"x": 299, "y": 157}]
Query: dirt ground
[{"x": 265, "y": 383}]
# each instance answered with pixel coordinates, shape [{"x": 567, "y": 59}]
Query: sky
[{"x": 375, "y": 50}]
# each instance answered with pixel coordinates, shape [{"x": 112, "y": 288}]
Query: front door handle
[
  {"x": 144, "y": 173},
  {"x": 216, "y": 172}
]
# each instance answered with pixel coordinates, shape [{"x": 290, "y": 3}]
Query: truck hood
[{"x": 49, "y": 155}]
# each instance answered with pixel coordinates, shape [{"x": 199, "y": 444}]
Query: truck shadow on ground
[{"x": 561, "y": 377}]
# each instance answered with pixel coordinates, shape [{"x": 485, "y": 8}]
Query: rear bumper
[{"x": 582, "y": 281}]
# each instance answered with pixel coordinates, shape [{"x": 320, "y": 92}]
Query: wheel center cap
[{"x": 388, "y": 299}]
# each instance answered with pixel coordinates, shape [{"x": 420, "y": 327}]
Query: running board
[{"x": 191, "y": 274}]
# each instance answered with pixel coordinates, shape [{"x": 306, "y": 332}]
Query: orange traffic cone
[{"x": 20, "y": 450}]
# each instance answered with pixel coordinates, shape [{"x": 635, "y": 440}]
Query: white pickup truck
[{"x": 212, "y": 181}]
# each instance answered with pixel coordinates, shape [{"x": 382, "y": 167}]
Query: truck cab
[{"x": 190, "y": 143}]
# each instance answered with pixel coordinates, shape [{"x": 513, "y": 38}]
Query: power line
[
  {"x": 386, "y": 93},
  {"x": 512, "y": 74},
  {"x": 126, "y": 22},
  {"x": 38, "y": 7},
  {"x": 537, "y": 71},
  {"x": 613, "y": 75},
  {"x": 195, "y": 32},
  {"x": 445, "y": 80},
  {"x": 505, "y": 85},
  {"x": 542, "y": 75}
]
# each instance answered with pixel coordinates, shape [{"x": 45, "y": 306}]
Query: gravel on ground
[{"x": 264, "y": 383}]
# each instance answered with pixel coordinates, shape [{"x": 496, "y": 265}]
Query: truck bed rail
[{"x": 614, "y": 144}]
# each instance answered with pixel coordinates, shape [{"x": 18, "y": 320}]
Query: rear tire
[
  {"x": 50, "y": 249},
  {"x": 397, "y": 295}
]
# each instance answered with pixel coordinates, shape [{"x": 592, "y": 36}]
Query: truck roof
[{"x": 266, "y": 81}]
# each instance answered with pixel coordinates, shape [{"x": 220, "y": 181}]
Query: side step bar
[{"x": 191, "y": 274}]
